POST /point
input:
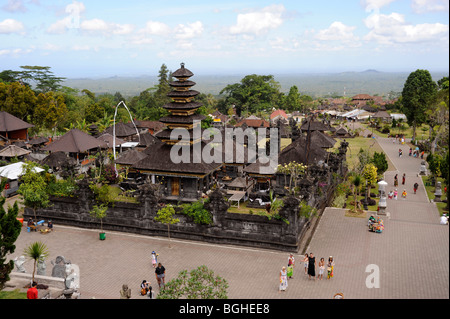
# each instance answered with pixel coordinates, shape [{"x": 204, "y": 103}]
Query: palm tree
[{"x": 36, "y": 251}]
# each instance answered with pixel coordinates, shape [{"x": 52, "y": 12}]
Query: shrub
[{"x": 198, "y": 213}]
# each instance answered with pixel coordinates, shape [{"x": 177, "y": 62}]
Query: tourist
[
  {"x": 305, "y": 263},
  {"x": 145, "y": 287},
  {"x": 444, "y": 219},
  {"x": 283, "y": 279},
  {"x": 416, "y": 186},
  {"x": 291, "y": 263},
  {"x": 154, "y": 259},
  {"x": 391, "y": 194},
  {"x": 321, "y": 268},
  {"x": 400, "y": 152},
  {"x": 160, "y": 272},
  {"x": 330, "y": 267},
  {"x": 410, "y": 151},
  {"x": 312, "y": 266},
  {"x": 50, "y": 225},
  {"x": 31, "y": 224},
  {"x": 125, "y": 292},
  {"x": 32, "y": 292},
  {"x": 395, "y": 194},
  {"x": 403, "y": 179},
  {"x": 396, "y": 180},
  {"x": 404, "y": 194},
  {"x": 421, "y": 154}
]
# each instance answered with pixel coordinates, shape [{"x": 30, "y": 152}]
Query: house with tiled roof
[{"x": 279, "y": 115}]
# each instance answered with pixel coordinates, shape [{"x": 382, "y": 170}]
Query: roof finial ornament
[{"x": 182, "y": 65}]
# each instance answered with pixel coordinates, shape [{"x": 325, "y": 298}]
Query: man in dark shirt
[
  {"x": 160, "y": 272},
  {"x": 32, "y": 292}
]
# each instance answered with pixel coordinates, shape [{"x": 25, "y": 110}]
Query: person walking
[
  {"x": 312, "y": 266},
  {"x": 416, "y": 186},
  {"x": 395, "y": 194},
  {"x": 160, "y": 273},
  {"x": 330, "y": 267},
  {"x": 404, "y": 194},
  {"x": 396, "y": 180},
  {"x": 154, "y": 259},
  {"x": 305, "y": 263},
  {"x": 283, "y": 279},
  {"x": 291, "y": 264},
  {"x": 321, "y": 268},
  {"x": 32, "y": 292},
  {"x": 403, "y": 179}
]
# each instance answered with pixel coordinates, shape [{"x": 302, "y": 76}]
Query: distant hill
[{"x": 348, "y": 84}]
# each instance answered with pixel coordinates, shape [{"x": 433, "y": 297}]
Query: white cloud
[
  {"x": 15, "y": 52},
  {"x": 392, "y": 29},
  {"x": 370, "y": 5},
  {"x": 14, "y": 6},
  {"x": 11, "y": 26},
  {"x": 259, "y": 22},
  {"x": 422, "y": 6},
  {"x": 337, "y": 32},
  {"x": 189, "y": 31},
  {"x": 155, "y": 28}
]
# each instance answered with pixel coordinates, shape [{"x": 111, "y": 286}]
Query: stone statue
[
  {"x": 59, "y": 267},
  {"x": 41, "y": 267},
  {"x": 19, "y": 261}
]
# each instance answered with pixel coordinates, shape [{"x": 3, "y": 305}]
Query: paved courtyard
[{"x": 412, "y": 254}]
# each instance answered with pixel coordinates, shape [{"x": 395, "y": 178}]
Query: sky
[{"x": 100, "y": 38}]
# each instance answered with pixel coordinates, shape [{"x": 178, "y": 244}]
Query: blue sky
[{"x": 105, "y": 38}]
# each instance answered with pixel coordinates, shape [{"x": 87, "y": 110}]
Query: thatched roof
[
  {"x": 381, "y": 114},
  {"x": 10, "y": 123},
  {"x": 13, "y": 151},
  {"x": 298, "y": 151},
  {"x": 75, "y": 141},
  {"x": 109, "y": 140},
  {"x": 322, "y": 140},
  {"x": 159, "y": 159},
  {"x": 130, "y": 157},
  {"x": 122, "y": 130},
  {"x": 38, "y": 140},
  {"x": 148, "y": 139},
  {"x": 58, "y": 159},
  {"x": 314, "y": 126}
]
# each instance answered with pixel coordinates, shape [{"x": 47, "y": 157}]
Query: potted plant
[{"x": 100, "y": 213}]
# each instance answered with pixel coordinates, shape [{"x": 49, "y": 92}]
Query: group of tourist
[
  {"x": 146, "y": 288},
  {"x": 393, "y": 194},
  {"x": 309, "y": 262}
]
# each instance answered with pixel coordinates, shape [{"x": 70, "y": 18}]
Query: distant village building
[{"x": 279, "y": 115}]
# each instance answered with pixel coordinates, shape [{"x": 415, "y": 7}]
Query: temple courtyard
[{"x": 408, "y": 260}]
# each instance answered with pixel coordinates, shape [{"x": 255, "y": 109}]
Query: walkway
[{"x": 412, "y": 254}]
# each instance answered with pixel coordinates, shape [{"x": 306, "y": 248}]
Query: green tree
[
  {"x": 99, "y": 212},
  {"x": 36, "y": 251},
  {"x": 165, "y": 216},
  {"x": 356, "y": 182},
  {"x": 50, "y": 110},
  {"x": 17, "y": 99},
  {"x": 10, "y": 229},
  {"x": 380, "y": 162},
  {"x": 254, "y": 93},
  {"x": 200, "y": 283},
  {"x": 292, "y": 101},
  {"x": 33, "y": 188},
  {"x": 419, "y": 91},
  {"x": 370, "y": 174}
]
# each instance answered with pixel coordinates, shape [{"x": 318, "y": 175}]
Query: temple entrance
[{"x": 175, "y": 186}]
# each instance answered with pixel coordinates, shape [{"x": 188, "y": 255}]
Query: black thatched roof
[
  {"x": 182, "y": 72},
  {"x": 159, "y": 160},
  {"x": 109, "y": 140},
  {"x": 322, "y": 140},
  {"x": 182, "y": 106},
  {"x": 314, "y": 126},
  {"x": 58, "y": 159},
  {"x": 38, "y": 140},
  {"x": 146, "y": 139},
  {"x": 130, "y": 157},
  {"x": 258, "y": 168},
  {"x": 176, "y": 119},
  {"x": 122, "y": 130},
  {"x": 298, "y": 151}
]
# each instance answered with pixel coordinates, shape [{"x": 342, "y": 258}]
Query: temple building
[{"x": 182, "y": 177}]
